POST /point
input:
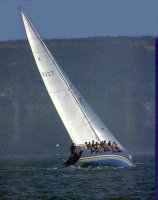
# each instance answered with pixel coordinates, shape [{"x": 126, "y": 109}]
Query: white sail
[{"x": 82, "y": 124}]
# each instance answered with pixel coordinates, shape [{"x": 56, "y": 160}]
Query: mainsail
[{"x": 81, "y": 122}]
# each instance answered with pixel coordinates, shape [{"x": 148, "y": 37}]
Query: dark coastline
[{"x": 120, "y": 90}]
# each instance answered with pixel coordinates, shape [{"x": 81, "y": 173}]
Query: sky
[{"x": 80, "y": 18}]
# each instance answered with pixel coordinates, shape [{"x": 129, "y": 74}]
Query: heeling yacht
[{"x": 80, "y": 121}]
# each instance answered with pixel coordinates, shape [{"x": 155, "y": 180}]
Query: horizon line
[{"x": 78, "y": 38}]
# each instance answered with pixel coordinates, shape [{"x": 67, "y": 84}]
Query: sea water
[{"x": 35, "y": 178}]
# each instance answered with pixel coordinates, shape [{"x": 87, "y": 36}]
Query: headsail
[{"x": 79, "y": 119}]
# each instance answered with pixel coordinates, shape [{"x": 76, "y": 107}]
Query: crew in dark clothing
[
  {"x": 116, "y": 147},
  {"x": 109, "y": 143},
  {"x": 101, "y": 144},
  {"x": 73, "y": 159},
  {"x": 86, "y": 144},
  {"x": 72, "y": 148},
  {"x": 96, "y": 146},
  {"x": 92, "y": 146}
]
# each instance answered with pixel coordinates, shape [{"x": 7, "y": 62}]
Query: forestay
[{"x": 82, "y": 124}]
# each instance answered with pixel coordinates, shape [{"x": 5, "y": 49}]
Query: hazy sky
[{"x": 80, "y": 18}]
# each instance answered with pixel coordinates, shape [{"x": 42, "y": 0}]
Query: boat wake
[{"x": 95, "y": 168}]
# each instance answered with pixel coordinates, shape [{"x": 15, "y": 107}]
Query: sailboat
[{"x": 81, "y": 122}]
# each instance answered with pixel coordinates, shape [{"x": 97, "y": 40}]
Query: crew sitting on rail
[
  {"x": 102, "y": 146},
  {"x": 106, "y": 147},
  {"x": 109, "y": 143},
  {"x": 113, "y": 146}
]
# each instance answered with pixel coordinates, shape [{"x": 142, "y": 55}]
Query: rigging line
[{"x": 57, "y": 67}]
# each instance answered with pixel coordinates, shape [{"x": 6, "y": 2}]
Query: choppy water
[{"x": 36, "y": 178}]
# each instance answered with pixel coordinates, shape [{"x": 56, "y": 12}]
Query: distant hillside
[{"x": 115, "y": 74}]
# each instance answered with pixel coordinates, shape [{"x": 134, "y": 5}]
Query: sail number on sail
[{"x": 46, "y": 74}]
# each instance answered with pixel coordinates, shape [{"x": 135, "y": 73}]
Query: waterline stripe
[{"x": 89, "y": 157}]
